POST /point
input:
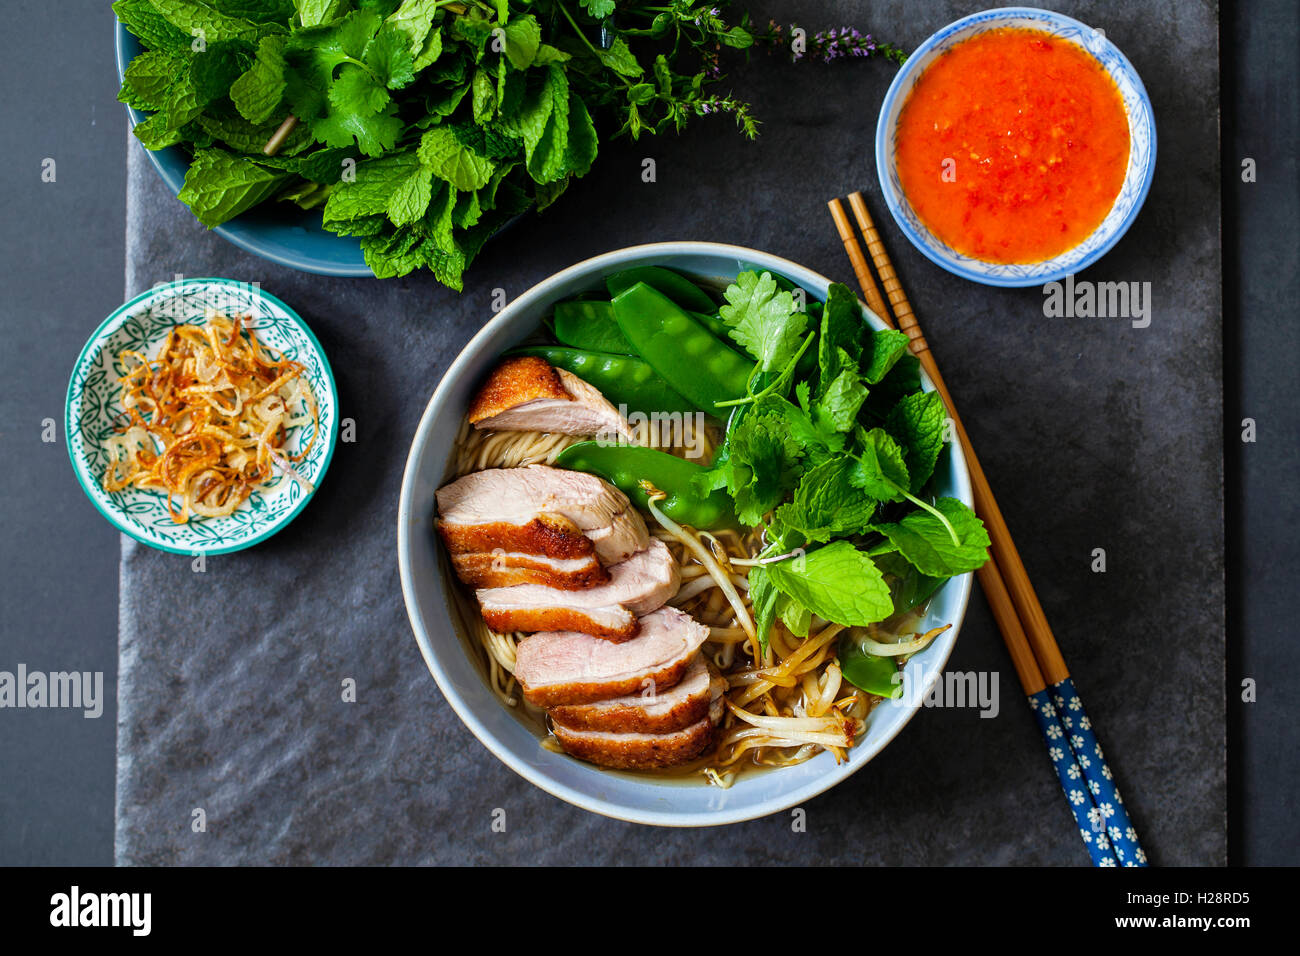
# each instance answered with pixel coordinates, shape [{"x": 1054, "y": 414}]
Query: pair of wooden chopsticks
[{"x": 1071, "y": 741}]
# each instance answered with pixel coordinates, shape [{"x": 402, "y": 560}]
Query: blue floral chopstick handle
[
  {"x": 1070, "y": 774},
  {"x": 1108, "y": 821}
]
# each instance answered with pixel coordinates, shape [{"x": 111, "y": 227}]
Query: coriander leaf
[
  {"x": 917, "y": 423},
  {"x": 827, "y": 504},
  {"x": 887, "y": 347},
  {"x": 219, "y": 186},
  {"x": 760, "y": 464},
  {"x": 410, "y": 199},
  {"x": 924, "y": 541},
  {"x": 836, "y": 582},
  {"x": 259, "y": 91},
  {"x": 619, "y": 58},
  {"x": 763, "y": 319},
  {"x": 523, "y": 37},
  {"x": 599, "y": 9},
  {"x": 360, "y": 111},
  {"x": 388, "y": 56},
  {"x": 816, "y": 434},
  {"x": 880, "y": 470},
  {"x": 452, "y": 161}
]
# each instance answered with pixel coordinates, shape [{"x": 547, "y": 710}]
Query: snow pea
[
  {"x": 590, "y": 325},
  {"x": 623, "y": 379},
  {"x": 625, "y": 466},
  {"x": 677, "y": 287},
  {"x": 875, "y": 675},
  {"x": 689, "y": 357}
]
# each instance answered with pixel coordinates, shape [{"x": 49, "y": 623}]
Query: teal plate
[{"x": 93, "y": 408}]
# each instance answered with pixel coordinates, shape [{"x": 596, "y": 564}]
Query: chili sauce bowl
[
  {"x": 1132, "y": 193},
  {"x": 455, "y": 662}
]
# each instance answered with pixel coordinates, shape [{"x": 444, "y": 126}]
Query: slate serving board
[{"x": 1094, "y": 434}]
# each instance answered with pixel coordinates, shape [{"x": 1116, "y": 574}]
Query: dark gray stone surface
[{"x": 1094, "y": 434}]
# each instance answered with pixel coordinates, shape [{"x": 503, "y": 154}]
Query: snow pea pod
[
  {"x": 623, "y": 379},
  {"x": 590, "y": 325},
  {"x": 625, "y": 466},
  {"x": 677, "y": 287},
  {"x": 875, "y": 675},
  {"x": 689, "y": 357}
]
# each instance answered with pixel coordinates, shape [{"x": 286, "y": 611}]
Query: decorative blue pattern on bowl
[
  {"x": 280, "y": 232},
  {"x": 93, "y": 409},
  {"x": 1137, "y": 181}
]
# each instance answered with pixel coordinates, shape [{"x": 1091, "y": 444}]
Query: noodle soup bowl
[
  {"x": 93, "y": 414},
  {"x": 455, "y": 662}
]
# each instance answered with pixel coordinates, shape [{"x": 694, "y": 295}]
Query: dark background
[{"x": 62, "y": 252}]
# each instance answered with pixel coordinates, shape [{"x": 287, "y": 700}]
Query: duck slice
[
  {"x": 635, "y": 587},
  {"x": 649, "y": 712},
  {"x": 502, "y": 569},
  {"x": 566, "y": 667},
  {"x": 527, "y": 393},
  {"x": 539, "y": 510},
  {"x": 637, "y": 751}
]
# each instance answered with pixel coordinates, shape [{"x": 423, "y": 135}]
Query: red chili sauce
[{"x": 1013, "y": 145}]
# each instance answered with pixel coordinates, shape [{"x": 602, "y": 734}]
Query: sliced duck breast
[
  {"x": 527, "y": 393},
  {"x": 649, "y": 712},
  {"x": 501, "y": 569},
  {"x": 567, "y": 667},
  {"x": 637, "y": 751},
  {"x": 636, "y": 587},
  {"x": 539, "y": 510}
]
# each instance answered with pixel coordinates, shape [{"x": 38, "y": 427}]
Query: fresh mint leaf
[
  {"x": 917, "y": 423},
  {"x": 219, "y": 186},
  {"x": 410, "y": 199},
  {"x": 763, "y": 597},
  {"x": 900, "y": 381},
  {"x": 523, "y": 37},
  {"x": 839, "y": 346},
  {"x": 414, "y": 18},
  {"x": 826, "y": 503},
  {"x": 368, "y": 194},
  {"x": 544, "y": 123},
  {"x": 453, "y": 162},
  {"x": 313, "y": 13},
  {"x": 619, "y": 58},
  {"x": 763, "y": 319},
  {"x": 196, "y": 18},
  {"x": 149, "y": 77},
  {"x": 836, "y": 582},
  {"x": 880, "y": 470},
  {"x": 909, "y": 586},
  {"x": 844, "y": 396},
  {"x": 484, "y": 97},
  {"x": 143, "y": 19},
  {"x": 923, "y": 540},
  {"x": 580, "y": 151},
  {"x": 260, "y": 90},
  {"x": 887, "y": 346}
]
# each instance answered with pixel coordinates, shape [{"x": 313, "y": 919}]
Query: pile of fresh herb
[
  {"x": 831, "y": 452},
  {"x": 420, "y": 126}
]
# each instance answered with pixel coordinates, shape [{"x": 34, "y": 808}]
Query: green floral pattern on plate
[{"x": 93, "y": 409}]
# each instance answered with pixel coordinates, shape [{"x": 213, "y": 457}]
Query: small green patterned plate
[{"x": 93, "y": 407}]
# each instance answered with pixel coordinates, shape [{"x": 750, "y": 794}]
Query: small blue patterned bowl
[
  {"x": 1141, "y": 161},
  {"x": 93, "y": 407}
]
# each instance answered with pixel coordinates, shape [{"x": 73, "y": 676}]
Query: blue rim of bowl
[
  {"x": 81, "y": 470},
  {"x": 895, "y": 202},
  {"x": 242, "y": 234},
  {"x": 593, "y": 803}
]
